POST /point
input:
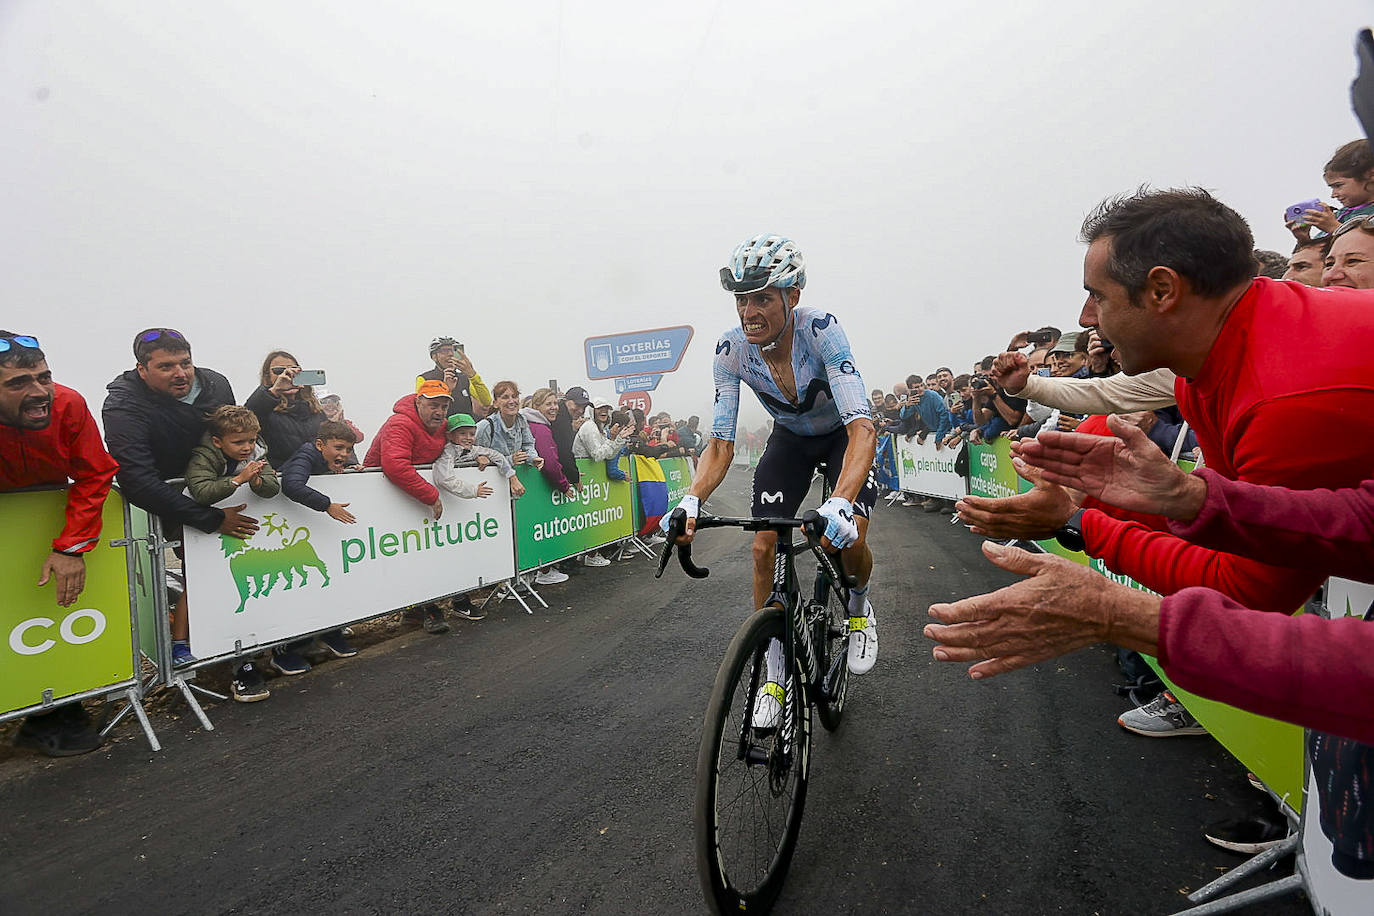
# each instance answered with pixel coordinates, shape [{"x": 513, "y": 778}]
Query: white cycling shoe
[
  {"x": 768, "y": 706},
  {"x": 863, "y": 641}
]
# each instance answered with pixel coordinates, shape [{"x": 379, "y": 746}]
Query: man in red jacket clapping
[{"x": 48, "y": 436}]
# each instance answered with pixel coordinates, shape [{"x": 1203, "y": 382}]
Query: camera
[
  {"x": 1039, "y": 338},
  {"x": 980, "y": 382},
  {"x": 1297, "y": 212}
]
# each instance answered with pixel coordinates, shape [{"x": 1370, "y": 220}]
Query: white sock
[
  {"x": 857, "y": 597},
  {"x": 775, "y": 661}
]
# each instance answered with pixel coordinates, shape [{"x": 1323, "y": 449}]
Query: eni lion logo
[{"x": 256, "y": 570}]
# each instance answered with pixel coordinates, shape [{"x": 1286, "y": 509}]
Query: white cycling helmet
[{"x": 763, "y": 261}]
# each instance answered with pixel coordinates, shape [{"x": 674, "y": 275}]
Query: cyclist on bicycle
[{"x": 797, "y": 361}]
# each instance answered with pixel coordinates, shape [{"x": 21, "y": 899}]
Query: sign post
[
  {"x": 636, "y": 353},
  {"x": 637, "y": 383},
  {"x": 632, "y": 400}
]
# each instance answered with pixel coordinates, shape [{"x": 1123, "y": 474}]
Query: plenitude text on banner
[
  {"x": 62, "y": 652},
  {"x": 552, "y": 527},
  {"x": 1270, "y": 748},
  {"x": 928, "y": 469},
  {"x": 303, "y": 571}
]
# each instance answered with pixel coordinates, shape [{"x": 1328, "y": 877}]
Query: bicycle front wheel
[
  {"x": 831, "y": 629},
  {"x": 751, "y": 774}
]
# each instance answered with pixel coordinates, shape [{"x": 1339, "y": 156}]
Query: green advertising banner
[
  {"x": 677, "y": 472},
  {"x": 550, "y": 526},
  {"x": 64, "y": 650},
  {"x": 990, "y": 471},
  {"x": 1270, "y": 748}
]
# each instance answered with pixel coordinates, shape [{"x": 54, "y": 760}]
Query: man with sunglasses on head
[
  {"x": 154, "y": 417},
  {"x": 48, "y": 437},
  {"x": 797, "y": 361}
]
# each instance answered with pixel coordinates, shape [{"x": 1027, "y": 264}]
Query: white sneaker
[
  {"x": 863, "y": 641},
  {"x": 768, "y": 706},
  {"x": 594, "y": 559},
  {"x": 655, "y": 540},
  {"x": 552, "y": 576}
]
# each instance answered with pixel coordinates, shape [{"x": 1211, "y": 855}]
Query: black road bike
[{"x": 753, "y": 764}]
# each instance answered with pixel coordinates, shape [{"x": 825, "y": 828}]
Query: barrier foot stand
[
  {"x": 1280, "y": 888},
  {"x": 192, "y": 702},
  {"x": 529, "y": 588},
  {"x": 642, "y": 547},
  {"x": 1248, "y": 867},
  {"x": 135, "y": 705}
]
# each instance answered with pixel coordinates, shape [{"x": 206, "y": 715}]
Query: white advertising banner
[
  {"x": 926, "y": 470},
  {"x": 303, "y": 571}
]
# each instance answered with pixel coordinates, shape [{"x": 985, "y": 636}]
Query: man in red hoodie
[
  {"x": 413, "y": 434},
  {"x": 48, "y": 436}
]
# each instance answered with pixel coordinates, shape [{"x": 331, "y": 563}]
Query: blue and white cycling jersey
[{"x": 830, "y": 391}]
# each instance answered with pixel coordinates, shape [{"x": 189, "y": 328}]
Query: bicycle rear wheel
[{"x": 751, "y": 782}]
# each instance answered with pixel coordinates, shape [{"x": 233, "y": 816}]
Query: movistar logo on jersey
[
  {"x": 820, "y": 324},
  {"x": 770, "y": 497}
]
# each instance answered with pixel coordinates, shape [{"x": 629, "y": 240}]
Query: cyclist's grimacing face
[{"x": 763, "y": 314}]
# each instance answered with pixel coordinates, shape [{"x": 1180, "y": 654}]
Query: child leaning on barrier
[
  {"x": 330, "y": 453},
  {"x": 229, "y": 456},
  {"x": 463, "y": 452}
]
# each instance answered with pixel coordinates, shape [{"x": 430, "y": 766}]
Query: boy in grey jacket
[{"x": 463, "y": 452}]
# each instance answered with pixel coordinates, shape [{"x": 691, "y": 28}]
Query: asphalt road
[{"x": 544, "y": 764}]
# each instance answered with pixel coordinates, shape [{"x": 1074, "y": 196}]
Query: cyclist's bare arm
[
  {"x": 858, "y": 458},
  {"x": 712, "y": 467}
]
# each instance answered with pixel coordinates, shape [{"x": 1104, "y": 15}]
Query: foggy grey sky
[{"x": 346, "y": 180}]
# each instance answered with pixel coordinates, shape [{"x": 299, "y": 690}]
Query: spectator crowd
[
  {"x": 178, "y": 442},
  {"x": 1191, "y": 343}
]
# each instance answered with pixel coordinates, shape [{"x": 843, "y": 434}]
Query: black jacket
[
  {"x": 563, "y": 436},
  {"x": 295, "y": 476},
  {"x": 284, "y": 431},
  {"x": 152, "y": 435}
]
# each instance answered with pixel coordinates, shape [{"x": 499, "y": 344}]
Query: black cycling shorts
[{"x": 787, "y": 465}]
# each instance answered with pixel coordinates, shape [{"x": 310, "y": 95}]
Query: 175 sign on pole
[{"x": 636, "y": 400}]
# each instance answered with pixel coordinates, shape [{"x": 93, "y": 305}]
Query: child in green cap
[{"x": 463, "y": 451}]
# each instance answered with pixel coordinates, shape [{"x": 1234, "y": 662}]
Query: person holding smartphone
[
  {"x": 289, "y": 413},
  {"x": 452, "y": 367}
]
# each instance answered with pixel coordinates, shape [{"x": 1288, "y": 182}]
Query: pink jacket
[{"x": 1303, "y": 669}]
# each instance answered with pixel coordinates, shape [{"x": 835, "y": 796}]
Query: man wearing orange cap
[{"x": 413, "y": 434}]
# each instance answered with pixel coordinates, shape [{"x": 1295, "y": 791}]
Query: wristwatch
[{"x": 1070, "y": 535}]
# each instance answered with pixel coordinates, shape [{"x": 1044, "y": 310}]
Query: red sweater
[
  {"x": 402, "y": 443},
  {"x": 68, "y": 449},
  {"x": 1303, "y": 669},
  {"x": 1286, "y": 397}
]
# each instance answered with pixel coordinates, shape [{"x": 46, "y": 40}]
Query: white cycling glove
[
  {"x": 689, "y": 504},
  {"x": 838, "y": 513}
]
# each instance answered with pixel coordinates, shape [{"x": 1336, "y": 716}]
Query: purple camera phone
[{"x": 1295, "y": 213}]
